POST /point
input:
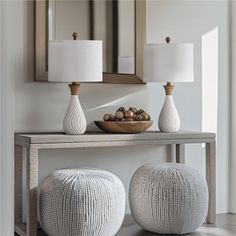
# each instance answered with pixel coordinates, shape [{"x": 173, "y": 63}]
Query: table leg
[
  {"x": 180, "y": 153},
  {"x": 211, "y": 181},
  {"x": 32, "y": 190},
  {"x": 18, "y": 184}
]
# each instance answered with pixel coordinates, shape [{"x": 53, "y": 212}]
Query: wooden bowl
[{"x": 123, "y": 126}]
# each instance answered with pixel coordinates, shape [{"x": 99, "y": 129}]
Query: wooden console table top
[{"x": 149, "y": 137}]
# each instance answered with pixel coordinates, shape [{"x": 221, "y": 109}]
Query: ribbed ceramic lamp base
[
  {"x": 169, "y": 121},
  {"x": 74, "y": 121}
]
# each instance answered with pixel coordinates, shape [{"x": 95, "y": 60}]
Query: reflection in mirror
[{"x": 112, "y": 21}]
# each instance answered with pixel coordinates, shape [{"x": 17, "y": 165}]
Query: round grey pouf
[
  {"x": 81, "y": 202},
  {"x": 168, "y": 198}
]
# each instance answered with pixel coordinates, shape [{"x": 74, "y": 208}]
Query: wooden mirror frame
[{"x": 41, "y": 35}]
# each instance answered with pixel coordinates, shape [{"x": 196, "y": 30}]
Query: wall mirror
[{"x": 120, "y": 24}]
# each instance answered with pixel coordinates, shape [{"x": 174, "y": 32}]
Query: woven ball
[
  {"x": 81, "y": 202},
  {"x": 168, "y": 199}
]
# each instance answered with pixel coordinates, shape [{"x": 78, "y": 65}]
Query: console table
[{"x": 34, "y": 142}]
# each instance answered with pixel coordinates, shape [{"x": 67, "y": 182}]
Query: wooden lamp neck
[
  {"x": 74, "y": 88},
  {"x": 169, "y": 88}
]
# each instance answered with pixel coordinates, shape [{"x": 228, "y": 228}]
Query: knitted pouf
[
  {"x": 168, "y": 199},
  {"x": 81, "y": 202}
]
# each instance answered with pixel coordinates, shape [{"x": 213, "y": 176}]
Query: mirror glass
[{"x": 112, "y": 21}]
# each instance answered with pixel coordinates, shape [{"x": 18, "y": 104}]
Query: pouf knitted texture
[
  {"x": 81, "y": 202},
  {"x": 169, "y": 198}
]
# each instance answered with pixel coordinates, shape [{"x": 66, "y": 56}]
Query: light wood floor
[{"x": 225, "y": 226}]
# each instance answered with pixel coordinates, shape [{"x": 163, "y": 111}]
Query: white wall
[
  {"x": 7, "y": 72},
  {"x": 233, "y": 109},
  {"x": 40, "y": 106}
]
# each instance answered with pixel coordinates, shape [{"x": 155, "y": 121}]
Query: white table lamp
[
  {"x": 168, "y": 62},
  {"x": 75, "y": 61}
]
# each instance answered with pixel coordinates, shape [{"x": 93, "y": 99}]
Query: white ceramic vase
[
  {"x": 74, "y": 122},
  {"x": 169, "y": 121}
]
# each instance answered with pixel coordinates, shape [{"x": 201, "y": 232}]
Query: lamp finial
[
  {"x": 75, "y": 35},
  {"x": 168, "y": 39}
]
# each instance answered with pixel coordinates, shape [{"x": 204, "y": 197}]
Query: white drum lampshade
[
  {"x": 74, "y": 61},
  {"x": 168, "y": 62}
]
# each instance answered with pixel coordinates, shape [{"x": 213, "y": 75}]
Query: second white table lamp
[{"x": 168, "y": 62}]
